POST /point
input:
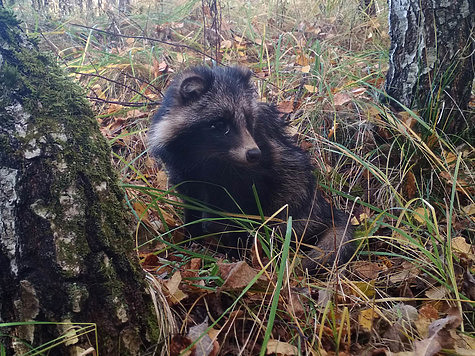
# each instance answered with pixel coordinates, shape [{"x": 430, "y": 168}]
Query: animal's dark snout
[{"x": 253, "y": 155}]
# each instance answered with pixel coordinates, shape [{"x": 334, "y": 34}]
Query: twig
[
  {"x": 148, "y": 39},
  {"x": 115, "y": 82},
  {"x": 124, "y": 103}
]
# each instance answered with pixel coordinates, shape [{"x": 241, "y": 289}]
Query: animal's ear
[
  {"x": 245, "y": 74},
  {"x": 193, "y": 86}
]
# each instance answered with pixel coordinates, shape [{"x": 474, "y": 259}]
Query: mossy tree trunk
[
  {"x": 431, "y": 60},
  {"x": 66, "y": 252}
]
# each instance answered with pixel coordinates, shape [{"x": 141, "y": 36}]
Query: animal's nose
[{"x": 253, "y": 155}]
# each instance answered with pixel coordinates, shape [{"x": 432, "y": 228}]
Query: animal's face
[{"x": 206, "y": 115}]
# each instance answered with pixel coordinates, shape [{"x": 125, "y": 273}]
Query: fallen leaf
[
  {"x": 408, "y": 272},
  {"x": 469, "y": 209},
  {"x": 179, "y": 343},
  {"x": 226, "y": 44},
  {"x": 410, "y": 185},
  {"x": 421, "y": 214},
  {"x": 302, "y": 60},
  {"x": 367, "y": 288},
  {"x": 464, "y": 344},
  {"x": 460, "y": 245},
  {"x": 439, "y": 292},
  {"x": 469, "y": 284},
  {"x": 341, "y": 98},
  {"x": 286, "y": 106},
  {"x": 237, "y": 275},
  {"x": 280, "y": 348},
  {"x": 310, "y": 88},
  {"x": 141, "y": 210},
  {"x": 305, "y": 69},
  {"x": 204, "y": 346},
  {"x": 428, "y": 311},
  {"x": 296, "y": 306},
  {"x": 366, "y": 318},
  {"x": 175, "y": 295},
  {"x": 439, "y": 336},
  {"x": 367, "y": 270}
]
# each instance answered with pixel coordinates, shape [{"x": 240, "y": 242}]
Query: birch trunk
[{"x": 431, "y": 62}]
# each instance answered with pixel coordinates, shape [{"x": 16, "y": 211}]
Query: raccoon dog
[{"x": 218, "y": 141}]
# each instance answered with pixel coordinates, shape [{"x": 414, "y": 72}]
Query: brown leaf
[
  {"x": 410, "y": 185},
  {"x": 421, "y": 215},
  {"x": 280, "y": 348},
  {"x": 469, "y": 284},
  {"x": 367, "y": 288},
  {"x": 141, "y": 210},
  {"x": 295, "y": 307},
  {"x": 460, "y": 246},
  {"x": 150, "y": 261},
  {"x": 341, "y": 98},
  {"x": 439, "y": 336},
  {"x": 179, "y": 343},
  {"x": 408, "y": 272},
  {"x": 226, "y": 44},
  {"x": 367, "y": 270},
  {"x": 175, "y": 295},
  {"x": 428, "y": 311},
  {"x": 286, "y": 106},
  {"x": 302, "y": 60},
  {"x": 437, "y": 292},
  {"x": 237, "y": 275}
]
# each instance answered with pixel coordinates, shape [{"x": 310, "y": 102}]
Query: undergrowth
[{"x": 408, "y": 188}]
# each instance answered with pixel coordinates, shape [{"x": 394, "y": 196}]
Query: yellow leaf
[
  {"x": 469, "y": 209},
  {"x": 141, "y": 210},
  {"x": 302, "y": 60},
  {"x": 305, "y": 69},
  {"x": 420, "y": 215},
  {"x": 311, "y": 88},
  {"x": 364, "y": 216},
  {"x": 366, "y": 287},
  {"x": 175, "y": 294},
  {"x": 226, "y": 44},
  {"x": 459, "y": 244},
  {"x": 366, "y": 318}
]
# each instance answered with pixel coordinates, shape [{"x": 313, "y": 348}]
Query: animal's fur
[{"x": 212, "y": 133}]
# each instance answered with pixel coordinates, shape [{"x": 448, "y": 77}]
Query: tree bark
[
  {"x": 431, "y": 62},
  {"x": 59, "y": 8},
  {"x": 66, "y": 254}
]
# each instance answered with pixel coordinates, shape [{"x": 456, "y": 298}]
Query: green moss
[{"x": 154, "y": 330}]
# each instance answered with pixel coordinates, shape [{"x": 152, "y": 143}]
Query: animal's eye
[{"x": 220, "y": 126}]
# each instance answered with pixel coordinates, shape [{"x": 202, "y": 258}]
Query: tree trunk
[
  {"x": 431, "y": 59},
  {"x": 59, "y": 8},
  {"x": 66, "y": 254}
]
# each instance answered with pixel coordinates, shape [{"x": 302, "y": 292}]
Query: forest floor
[{"x": 408, "y": 290}]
